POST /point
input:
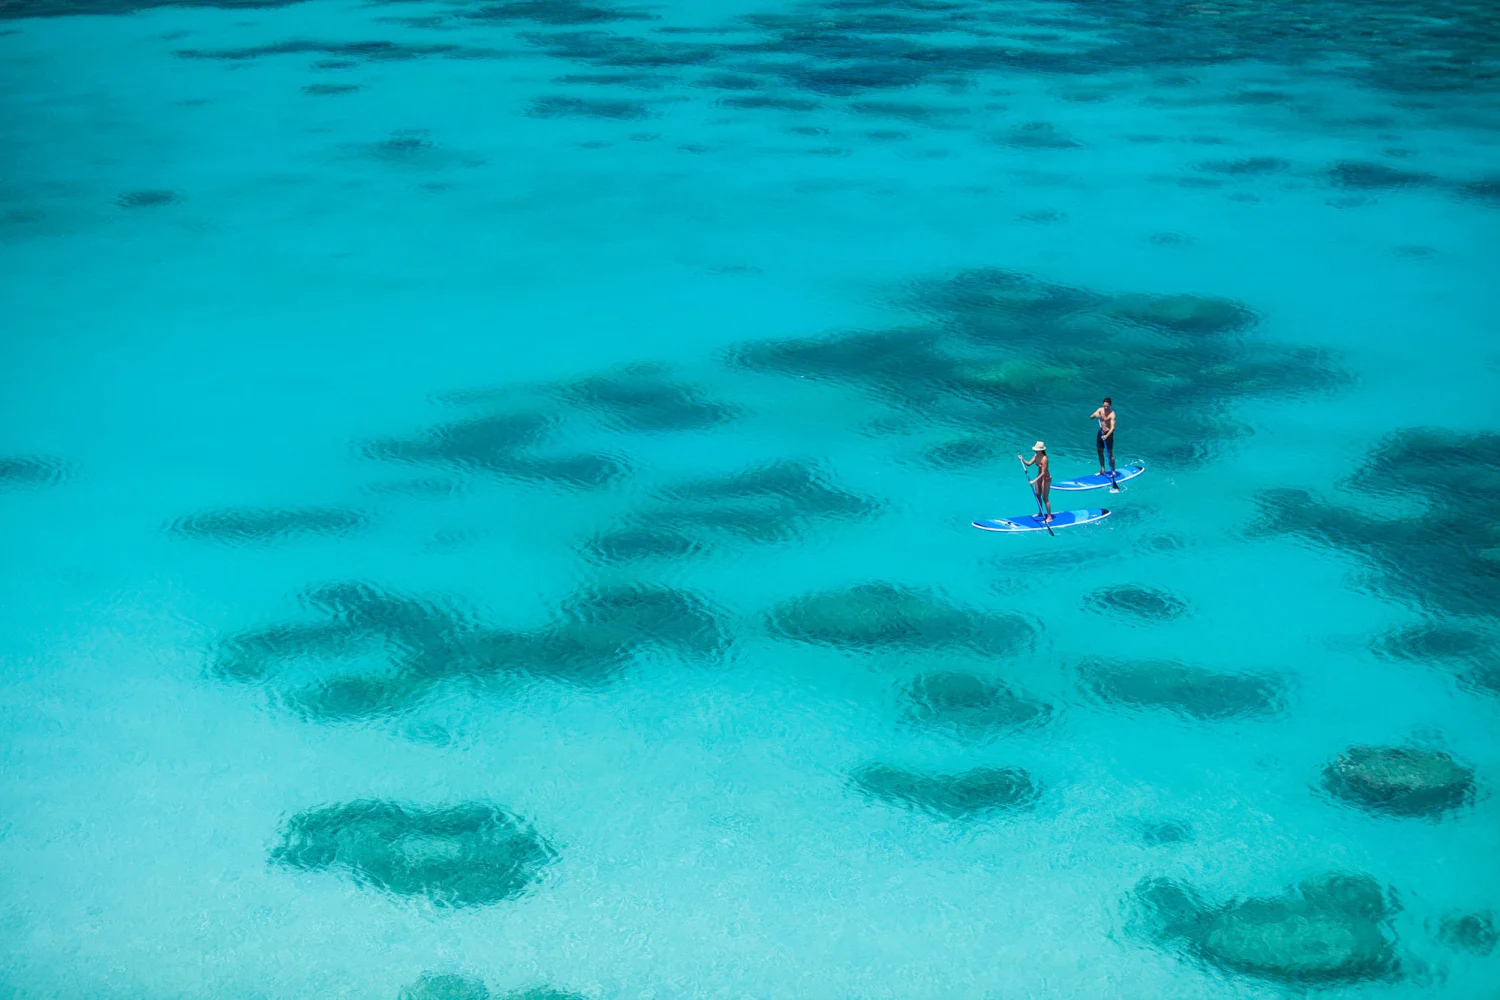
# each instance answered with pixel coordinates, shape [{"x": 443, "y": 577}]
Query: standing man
[
  {"x": 1106, "y": 438},
  {"x": 1043, "y": 481}
]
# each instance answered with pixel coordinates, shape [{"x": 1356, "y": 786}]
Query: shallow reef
[
  {"x": 1401, "y": 781},
  {"x": 763, "y": 504},
  {"x": 18, "y": 471},
  {"x": 1471, "y": 932},
  {"x": 1038, "y": 135},
  {"x": 644, "y": 397},
  {"x": 999, "y": 348},
  {"x": 873, "y": 616},
  {"x": 604, "y": 48},
  {"x": 848, "y": 48},
  {"x": 789, "y": 492},
  {"x": 599, "y": 632},
  {"x": 258, "y": 526},
  {"x": 961, "y": 453},
  {"x": 1189, "y": 691},
  {"x": 970, "y": 706},
  {"x": 1160, "y": 833},
  {"x": 1249, "y": 166},
  {"x": 1374, "y": 176},
  {"x": 152, "y": 198},
  {"x": 553, "y": 12},
  {"x": 1142, "y": 603},
  {"x": 1437, "y": 641},
  {"x": 1326, "y": 931},
  {"x": 502, "y": 445},
  {"x": 964, "y": 795},
  {"x": 1468, "y": 645},
  {"x": 450, "y": 986},
  {"x": 753, "y": 101},
  {"x": 473, "y": 854},
  {"x": 430, "y": 986},
  {"x": 1183, "y": 313},
  {"x": 1485, "y": 189},
  {"x": 372, "y": 51},
  {"x": 401, "y": 649},
  {"x": 1444, "y": 556},
  {"x": 639, "y": 542},
  {"x": 636, "y": 78},
  {"x": 554, "y": 106}
]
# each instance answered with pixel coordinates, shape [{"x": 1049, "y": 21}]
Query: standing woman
[{"x": 1042, "y": 484}]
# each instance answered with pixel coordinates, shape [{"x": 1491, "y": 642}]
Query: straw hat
[{"x": 1039, "y": 447}]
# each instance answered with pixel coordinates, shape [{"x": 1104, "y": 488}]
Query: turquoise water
[{"x": 486, "y": 494}]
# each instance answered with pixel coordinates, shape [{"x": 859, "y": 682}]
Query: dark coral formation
[
  {"x": 429, "y": 986},
  {"x": 1183, "y": 313},
  {"x": 1250, "y": 166},
  {"x": 554, "y": 12},
  {"x": 643, "y": 397},
  {"x": 1326, "y": 931},
  {"x": 1142, "y": 603},
  {"x": 764, "y": 500},
  {"x": 997, "y": 348},
  {"x": 1188, "y": 691},
  {"x": 502, "y": 445},
  {"x": 376, "y": 51},
  {"x": 554, "y": 106},
  {"x": 753, "y": 101},
  {"x": 1159, "y": 833},
  {"x": 970, "y": 706},
  {"x": 640, "y": 80},
  {"x": 645, "y": 541},
  {"x": 1374, "y": 176},
  {"x": 1402, "y": 781},
  {"x": 873, "y": 616},
  {"x": 405, "y": 648},
  {"x": 1437, "y": 641},
  {"x": 845, "y": 49},
  {"x": 640, "y": 542},
  {"x": 151, "y": 198},
  {"x": 1471, "y": 932},
  {"x": 1038, "y": 135},
  {"x": 1469, "y": 646},
  {"x": 19, "y": 471},
  {"x": 599, "y": 632},
  {"x": 248, "y": 526},
  {"x": 474, "y": 854},
  {"x": 1486, "y": 189},
  {"x": 99, "y": 8},
  {"x": 965, "y": 795},
  {"x": 763, "y": 504},
  {"x": 961, "y": 453},
  {"x": 1444, "y": 556},
  {"x": 853, "y": 47}
]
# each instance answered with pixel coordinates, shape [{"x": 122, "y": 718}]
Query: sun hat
[{"x": 1039, "y": 447}]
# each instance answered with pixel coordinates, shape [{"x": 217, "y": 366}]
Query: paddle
[{"x": 1041, "y": 512}]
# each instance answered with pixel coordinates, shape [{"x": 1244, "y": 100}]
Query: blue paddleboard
[
  {"x": 1096, "y": 481},
  {"x": 1033, "y": 522}
]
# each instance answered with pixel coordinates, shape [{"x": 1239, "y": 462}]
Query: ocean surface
[{"x": 485, "y": 499}]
